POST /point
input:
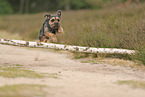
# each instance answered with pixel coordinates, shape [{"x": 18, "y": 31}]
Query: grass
[
  {"x": 6, "y": 35},
  {"x": 133, "y": 83},
  {"x": 105, "y": 28},
  {"x": 23, "y": 90},
  {"x": 114, "y": 62},
  {"x": 78, "y": 55},
  {"x": 16, "y": 70},
  {"x": 111, "y": 59}
]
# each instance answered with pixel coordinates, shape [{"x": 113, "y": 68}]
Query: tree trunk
[
  {"x": 27, "y": 6},
  {"x": 21, "y": 6},
  {"x": 66, "y": 47},
  {"x": 67, "y": 4}
]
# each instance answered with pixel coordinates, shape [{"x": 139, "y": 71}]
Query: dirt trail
[{"x": 76, "y": 79}]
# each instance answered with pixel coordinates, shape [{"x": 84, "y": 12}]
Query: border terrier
[{"x": 50, "y": 28}]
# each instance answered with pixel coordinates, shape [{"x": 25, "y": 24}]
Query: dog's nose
[{"x": 56, "y": 23}]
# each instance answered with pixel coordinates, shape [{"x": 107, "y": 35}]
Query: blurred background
[
  {"x": 36, "y": 6},
  {"x": 96, "y": 23}
]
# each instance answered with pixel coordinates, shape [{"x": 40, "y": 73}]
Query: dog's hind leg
[{"x": 53, "y": 36}]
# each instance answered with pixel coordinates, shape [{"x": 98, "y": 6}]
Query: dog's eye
[
  {"x": 58, "y": 20},
  {"x": 52, "y": 20}
]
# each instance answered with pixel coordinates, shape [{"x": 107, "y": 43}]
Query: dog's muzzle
[{"x": 55, "y": 25}]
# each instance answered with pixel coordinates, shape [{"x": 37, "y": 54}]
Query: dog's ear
[
  {"x": 59, "y": 13},
  {"x": 47, "y": 15}
]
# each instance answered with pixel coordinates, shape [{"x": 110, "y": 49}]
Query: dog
[{"x": 50, "y": 28}]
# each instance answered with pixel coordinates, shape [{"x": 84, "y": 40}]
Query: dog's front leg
[
  {"x": 53, "y": 36},
  {"x": 60, "y": 30}
]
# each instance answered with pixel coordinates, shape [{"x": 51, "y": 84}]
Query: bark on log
[{"x": 66, "y": 47}]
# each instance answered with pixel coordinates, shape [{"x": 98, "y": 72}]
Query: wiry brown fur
[{"x": 50, "y": 28}]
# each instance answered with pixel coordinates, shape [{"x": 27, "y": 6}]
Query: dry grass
[
  {"x": 115, "y": 62},
  {"x": 105, "y": 28},
  {"x": 27, "y": 26},
  {"x": 23, "y": 90},
  {"x": 133, "y": 83},
  {"x": 13, "y": 71},
  {"x": 6, "y": 35}
]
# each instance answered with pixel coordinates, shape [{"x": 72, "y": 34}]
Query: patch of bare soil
[{"x": 74, "y": 79}]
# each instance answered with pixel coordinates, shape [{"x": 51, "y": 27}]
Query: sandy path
[{"x": 76, "y": 79}]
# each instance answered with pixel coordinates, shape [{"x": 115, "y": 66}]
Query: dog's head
[{"x": 54, "y": 20}]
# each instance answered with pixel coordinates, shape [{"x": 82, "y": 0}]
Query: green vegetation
[
  {"x": 5, "y": 7},
  {"x": 99, "y": 4},
  {"x": 23, "y": 90},
  {"x": 114, "y": 61},
  {"x": 16, "y": 70},
  {"x": 133, "y": 83},
  {"x": 106, "y": 28},
  {"x": 78, "y": 55},
  {"x": 35, "y": 6}
]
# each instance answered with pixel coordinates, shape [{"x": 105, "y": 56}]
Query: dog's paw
[
  {"x": 38, "y": 43},
  {"x": 54, "y": 39},
  {"x": 60, "y": 30}
]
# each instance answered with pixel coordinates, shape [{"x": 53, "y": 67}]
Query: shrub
[
  {"x": 76, "y": 4},
  {"x": 5, "y": 7},
  {"x": 115, "y": 28}
]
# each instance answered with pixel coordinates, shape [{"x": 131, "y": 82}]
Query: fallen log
[{"x": 66, "y": 47}]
